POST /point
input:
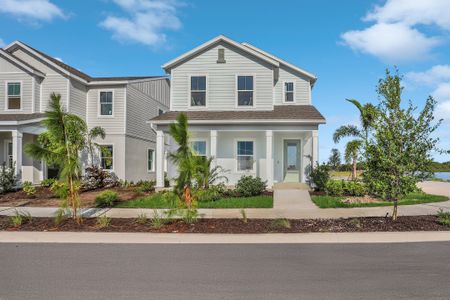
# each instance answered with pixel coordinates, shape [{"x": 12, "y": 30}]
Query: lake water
[{"x": 442, "y": 175}]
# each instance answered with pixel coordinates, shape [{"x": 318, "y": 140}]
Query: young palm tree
[
  {"x": 61, "y": 144},
  {"x": 206, "y": 175},
  {"x": 183, "y": 157},
  {"x": 352, "y": 150},
  {"x": 95, "y": 132}
]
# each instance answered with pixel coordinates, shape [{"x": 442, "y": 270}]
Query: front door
[{"x": 292, "y": 161}]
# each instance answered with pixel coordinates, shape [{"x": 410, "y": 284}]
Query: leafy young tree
[
  {"x": 61, "y": 144},
  {"x": 399, "y": 153},
  {"x": 94, "y": 133},
  {"x": 335, "y": 159}
]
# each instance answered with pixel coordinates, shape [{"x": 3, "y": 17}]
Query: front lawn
[
  {"x": 413, "y": 198},
  {"x": 157, "y": 201}
]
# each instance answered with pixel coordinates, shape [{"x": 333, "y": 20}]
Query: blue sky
[{"x": 347, "y": 44}]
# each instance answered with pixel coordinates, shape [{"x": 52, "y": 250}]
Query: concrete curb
[{"x": 194, "y": 238}]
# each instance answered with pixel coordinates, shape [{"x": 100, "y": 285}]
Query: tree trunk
[
  {"x": 395, "y": 211},
  {"x": 354, "y": 169}
]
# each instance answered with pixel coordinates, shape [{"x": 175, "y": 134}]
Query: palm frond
[{"x": 346, "y": 131}]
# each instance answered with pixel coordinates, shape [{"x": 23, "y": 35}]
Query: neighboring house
[
  {"x": 248, "y": 109},
  {"x": 121, "y": 105}
]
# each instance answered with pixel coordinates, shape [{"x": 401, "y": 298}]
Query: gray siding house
[
  {"x": 249, "y": 110},
  {"x": 121, "y": 105}
]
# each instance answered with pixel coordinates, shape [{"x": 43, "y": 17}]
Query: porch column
[
  {"x": 17, "y": 150},
  {"x": 213, "y": 147},
  {"x": 269, "y": 158},
  {"x": 160, "y": 159},
  {"x": 315, "y": 148}
]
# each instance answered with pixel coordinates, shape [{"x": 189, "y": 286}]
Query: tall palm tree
[
  {"x": 62, "y": 144},
  {"x": 352, "y": 150},
  {"x": 94, "y": 133}
]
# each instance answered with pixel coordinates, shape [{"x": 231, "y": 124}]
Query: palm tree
[
  {"x": 205, "y": 174},
  {"x": 183, "y": 157},
  {"x": 352, "y": 150},
  {"x": 62, "y": 144},
  {"x": 94, "y": 133}
]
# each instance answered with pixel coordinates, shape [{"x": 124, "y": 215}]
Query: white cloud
[
  {"x": 395, "y": 37},
  {"x": 31, "y": 10},
  {"x": 431, "y": 77},
  {"x": 2, "y": 43},
  {"x": 146, "y": 22}
]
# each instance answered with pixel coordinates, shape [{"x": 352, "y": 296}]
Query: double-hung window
[
  {"x": 288, "y": 92},
  {"x": 198, "y": 91},
  {"x": 199, "y": 148},
  {"x": 150, "y": 160},
  {"x": 106, "y": 103},
  {"x": 245, "y": 90},
  {"x": 107, "y": 157},
  {"x": 14, "y": 95},
  {"x": 245, "y": 153}
]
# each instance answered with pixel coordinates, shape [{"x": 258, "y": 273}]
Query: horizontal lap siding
[
  {"x": 301, "y": 91},
  {"x": 77, "y": 101},
  {"x": 27, "y": 91},
  {"x": 221, "y": 79},
  {"x": 140, "y": 109},
  {"x": 112, "y": 125}
]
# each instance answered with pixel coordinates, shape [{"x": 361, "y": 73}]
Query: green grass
[
  {"x": 413, "y": 198},
  {"x": 157, "y": 201}
]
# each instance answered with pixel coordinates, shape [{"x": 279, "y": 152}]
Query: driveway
[{"x": 263, "y": 271}]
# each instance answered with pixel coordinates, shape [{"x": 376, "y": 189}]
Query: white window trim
[
  {"x": 237, "y": 91},
  {"x": 113, "y": 156},
  {"x": 284, "y": 92},
  {"x": 206, "y": 145},
  {"x": 99, "y": 115},
  {"x": 190, "y": 91},
  {"x": 253, "y": 170},
  {"x": 6, "y": 95},
  {"x": 153, "y": 160}
]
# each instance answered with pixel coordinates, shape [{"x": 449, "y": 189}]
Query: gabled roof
[
  {"x": 21, "y": 63},
  {"x": 65, "y": 68},
  {"x": 311, "y": 76},
  {"x": 220, "y": 38}
]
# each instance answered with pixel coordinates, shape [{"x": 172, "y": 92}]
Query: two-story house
[
  {"x": 250, "y": 110},
  {"x": 121, "y": 105}
]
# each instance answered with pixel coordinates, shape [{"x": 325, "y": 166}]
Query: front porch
[{"x": 276, "y": 154}]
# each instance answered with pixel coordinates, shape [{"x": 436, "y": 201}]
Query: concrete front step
[{"x": 290, "y": 186}]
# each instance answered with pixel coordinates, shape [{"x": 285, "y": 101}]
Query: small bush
[
  {"x": 189, "y": 215},
  {"x": 141, "y": 219},
  {"x": 171, "y": 199},
  {"x": 8, "y": 178},
  {"x": 248, "y": 186},
  {"x": 335, "y": 188},
  {"x": 158, "y": 220},
  {"x": 208, "y": 195},
  {"x": 16, "y": 219},
  {"x": 29, "y": 189},
  {"x": 103, "y": 221},
  {"x": 443, "y": 217},
  {"x": 106, "y": 199},
  {"x": 60, "y": 216},
  {"x": 48, "y": 182},
  {"x": 60, "y": 189},
  {"x": 281, "y": 223},
  {"x": 319, "y": 177},
  {"x": 146, "y": 186},
  {"x": 354, "y": 188}
]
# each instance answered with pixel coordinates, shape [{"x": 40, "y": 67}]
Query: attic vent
[{"x": 221, "y": 56}]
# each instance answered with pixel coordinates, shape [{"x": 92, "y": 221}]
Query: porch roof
[
  {"x": 280, "y": 114},
  {"x": 21, "y": 118}
]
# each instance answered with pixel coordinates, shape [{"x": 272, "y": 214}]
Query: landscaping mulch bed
[{"x": 366, "y": 224}]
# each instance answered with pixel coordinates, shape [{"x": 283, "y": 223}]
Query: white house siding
[
  {"x": 136, "y": 159},
  {"x": 119, "y": 162},
  {"x": 114, "y": 124},
  {"x": 301, "y": 87},
  {"x": 140, "y": 108},
  {"x": 26, "y": 89},
  {"x": 77, "y": 102},
  {"x": 37, "y": 93},
  {"x": 31, "y": 168},
  {"x": 221, "y": 79},
  {"x": 34, "y": 61}
]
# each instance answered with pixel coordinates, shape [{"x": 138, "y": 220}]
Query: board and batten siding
[
  {"x": 77, "y": 102},
  {"x": 301, "y": 88},
  {"x": 112, "y": 124},
  {"x": 222, "y": 79},
  {"x": 158, "y": 89}
]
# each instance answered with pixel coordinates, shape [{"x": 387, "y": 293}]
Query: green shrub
[
  {"x": 8, "y": 178},
  {"x": 319, "y": 177},
  {"x": 335, "y": 188},
  {"x": 281, "y": 223},
  {"x": 248, "y": 186},
  {"x": 28, "y": 188},
  {"x": 60, "y": 189},
  {"x": 158, "y": 220},
  {"x": 443, "y": 217},
  {"x": 48, "y": 182},
  {"x": 171, "y": 199},
  {"x": 354, "y": 188},
  {"x": 16, "y": 219},
  {"x": 103, "y": 221},
  {"x": 60, "y": 216},
  {"x": 208, "y": 195},
  {"x": 106, "y": 199},
  {"x": 146, "y": 186},
  {"x": 189, "y": 215},
  {"x": 141, "y": 218}
]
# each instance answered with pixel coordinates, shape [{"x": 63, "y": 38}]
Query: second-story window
[
  {"x": 245, "y": 90},
  {"x": 198, "y": 90},
  {"x": 14, "y": 95},
  {"x": 288, "y": 92},
  {"x": 106, "y": 103}
]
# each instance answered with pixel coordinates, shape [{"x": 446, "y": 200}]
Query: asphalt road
[{"x": 301, "y": 271}]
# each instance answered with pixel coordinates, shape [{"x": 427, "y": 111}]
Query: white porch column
[
  {"x": 315, "y": 148},
  {"x": 17, "y": 150},
  {"x": 213, "y": 147},
  {"x": 160, "y": 159},
  {"x": 269, "y": 158}
]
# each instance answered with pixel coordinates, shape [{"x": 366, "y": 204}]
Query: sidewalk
[{"x": 254, "y": 213}]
